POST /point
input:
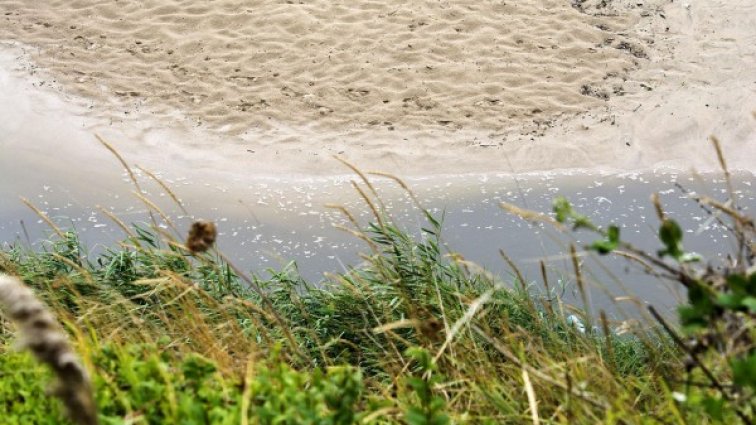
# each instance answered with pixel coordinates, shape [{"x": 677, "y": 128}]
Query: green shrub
[
  {"x": 281, "y": 395},
  {"x": 23, "y": 398}
]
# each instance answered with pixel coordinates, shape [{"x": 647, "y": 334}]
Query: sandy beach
[{"x": 276, "y": 87}]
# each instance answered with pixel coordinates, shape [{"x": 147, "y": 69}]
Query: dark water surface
[{"x": 266, "y": 222}]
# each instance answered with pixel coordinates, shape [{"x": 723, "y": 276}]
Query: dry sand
[{"x": 420, "y": 87}]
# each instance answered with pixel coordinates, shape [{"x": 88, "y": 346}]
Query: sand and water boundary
[{"x": 243, "y": 109}]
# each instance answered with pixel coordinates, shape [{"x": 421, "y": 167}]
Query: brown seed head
[{"x": 202, "y": 236}]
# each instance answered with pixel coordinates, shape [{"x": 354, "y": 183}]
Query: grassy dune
[{"x": 414, "y": 335}]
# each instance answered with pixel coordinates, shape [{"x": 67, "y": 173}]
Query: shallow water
[{"x": 265, "y": 224}]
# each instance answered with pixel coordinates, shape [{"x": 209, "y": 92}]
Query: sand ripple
[{"x": 240, "y": 65}]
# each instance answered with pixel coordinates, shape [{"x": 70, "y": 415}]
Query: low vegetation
[{"x": 415, "y": 335}]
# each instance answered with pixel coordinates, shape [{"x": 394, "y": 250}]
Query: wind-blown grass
[
  {"x": 414, "y": 335},
  {"x": 142, "y": 311}
]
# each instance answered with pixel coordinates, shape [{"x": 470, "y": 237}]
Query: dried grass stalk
[{"x": 42, "y": 334}]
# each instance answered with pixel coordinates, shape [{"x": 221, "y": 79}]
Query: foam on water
[{"x": 266, "y": 225}]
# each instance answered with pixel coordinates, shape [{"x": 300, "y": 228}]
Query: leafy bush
[
  {"x": 23, "y": 398},
  {"x": 415, "y": 335},
  {"x": 281, "y": 395},
  {"x": 719, "y": 320},
  {"x": 139, "y": 384},
  {"x": 429, "y": 408}
]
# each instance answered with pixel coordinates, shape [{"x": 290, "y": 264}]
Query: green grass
[
  {"x": 172, "y": 338},
  {"x": 413, "y": 336}
]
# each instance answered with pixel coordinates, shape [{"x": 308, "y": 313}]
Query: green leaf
[
  {"x": 700, "y": 299},
  {"x": 744, "y": 371},
  {"x": 582, "y": 222},
  {"x": 422, "y": 357},
  {"x": 691, "y": 317},
  {"x": 198, "y": 368},
  {"x": 415, "y": 416},
  {"x": 730, "y": 301},
  {"x": 671, "y": 236},
  {"x": 714, "y": 406},
  {"x": 602, "y": 247},
  {"x": 440, "y": 419},
  {"x": 608, "y": 245},
  {"x": 562, "y": 209},
  {"x": 737, "y": 284},
  {"x": 750, "y": 304},
  {"x": 417, "y": 384},
  {"x": 613, "y": 233}
]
